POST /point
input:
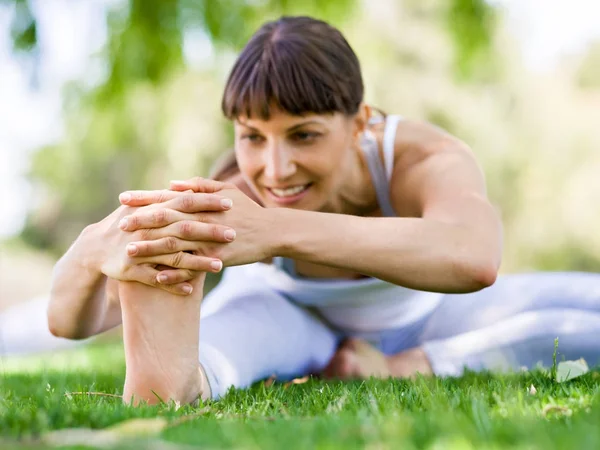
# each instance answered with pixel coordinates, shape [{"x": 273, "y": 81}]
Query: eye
[
  {"x": 253, "y": 137},
  {"x": 305, "y": 136}
]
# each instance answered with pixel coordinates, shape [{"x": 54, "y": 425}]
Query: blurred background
[{"x": 100, "y": 96}]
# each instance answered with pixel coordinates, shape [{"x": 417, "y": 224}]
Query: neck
[{"x": 356, "y": 194}]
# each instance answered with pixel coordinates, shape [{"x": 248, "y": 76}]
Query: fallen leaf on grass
[
  {"x": 122, "y": 431},
  {"x": 567, "y": 370},
  {"x": 300, "y": 380},
  {"x": 68, "y": 437},
  {"x": 269, "y": 382},
  {"x": 556, "y": 408},
  {"x": 296, "y": 381},
  {"x": 139, "y": 427}
]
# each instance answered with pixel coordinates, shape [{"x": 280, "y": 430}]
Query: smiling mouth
[{"x": 289, "y": 192}]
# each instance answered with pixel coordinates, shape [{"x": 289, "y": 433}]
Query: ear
[{"x": 361, "y": 120}]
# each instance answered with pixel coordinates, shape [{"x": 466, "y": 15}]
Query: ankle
[{"x": 153, "y": 389}]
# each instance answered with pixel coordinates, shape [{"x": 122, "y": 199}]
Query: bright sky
[{"x": 69, "y": 31}]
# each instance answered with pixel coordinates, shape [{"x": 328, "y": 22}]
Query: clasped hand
[{"x": 198, "y": 226}]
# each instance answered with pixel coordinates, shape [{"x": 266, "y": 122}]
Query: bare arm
[
  {"x": 447, "y": 238},
  {"x": 83, "y": 301},
  {"x": 452, "y": 242}
]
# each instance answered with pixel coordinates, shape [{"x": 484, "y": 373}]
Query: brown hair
[{"x": 298, "y": 65}]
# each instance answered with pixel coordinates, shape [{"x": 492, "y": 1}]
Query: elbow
[
  {"x": 60, "y": 328},
  {"x": 485, "y": 276},
  {"x": 478, "y": 274},
  {"x": 65, "y": 332}
]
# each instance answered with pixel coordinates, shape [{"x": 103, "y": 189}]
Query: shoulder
[
  {"x": 428, "y": 157},
  {"x": 418, "y": 141}
]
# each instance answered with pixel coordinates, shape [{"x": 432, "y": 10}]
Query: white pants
[{"x": 249, "y": 332}]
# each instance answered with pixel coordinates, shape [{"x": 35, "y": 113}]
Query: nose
[{"x": 279, "y": 162}]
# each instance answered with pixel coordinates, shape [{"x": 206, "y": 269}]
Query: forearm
[
  {"x": 79, "y": 295},
  {"x": 411, "y": 252}
]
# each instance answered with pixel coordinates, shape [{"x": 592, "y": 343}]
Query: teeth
[{"x": 289, "y": 191}]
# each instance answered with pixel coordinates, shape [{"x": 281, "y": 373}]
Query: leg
[
  {"x": 513, "y": 324},
  {"x": 249, "y": 333},
  {"x": 507, "y": 326}
]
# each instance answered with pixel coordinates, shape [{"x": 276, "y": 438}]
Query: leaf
[
  {"x": 128, "y": 429},
  {"x": 80, "y": 436},
  {"x": 269, "y": 382},
  {"x": 563, "y": 410},
  {"x": 567, "y": 370},
  {"x": 296, "y": 381},
  {"x": 139, "y": 427}
]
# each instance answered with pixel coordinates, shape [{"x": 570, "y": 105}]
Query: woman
[{"x": 364, "y": 245}]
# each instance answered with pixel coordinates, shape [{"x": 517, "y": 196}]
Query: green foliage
[
  {"x": 146, "y": 39},
  {"x": 117, "y": 133},
  {"x": 145, "y": 44},
  {"x": 23, "y": 29},
  {"x": 471, "y": 24},
  {"x": 152, "y": 118}
]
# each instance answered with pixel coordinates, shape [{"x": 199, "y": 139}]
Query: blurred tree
[
  {"x": 117, "y": 133},
  {"x": 146, "y": 36}
]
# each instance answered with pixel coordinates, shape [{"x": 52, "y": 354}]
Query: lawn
[{"x": 483, "y": 411}]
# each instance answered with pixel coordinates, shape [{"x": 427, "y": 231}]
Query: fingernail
[
  {"x": 216, "y": 265},
  {"x": 226, "y": 203},
  {"x": 124, "y": 197},
  {"x": 187, "y": 289},
  {"x": 229, "y": 235},
  {"x": 131, "y": 249},
  {"x": 177, "y": 182},
  {"x": 123, "y": 223},
  {"x": 162, "y": 278}
]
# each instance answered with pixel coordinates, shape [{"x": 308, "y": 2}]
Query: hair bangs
[
  {"x": 296, "y": 65},
  {"x": 279, "y": 81}
]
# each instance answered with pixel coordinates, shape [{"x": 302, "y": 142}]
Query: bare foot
[
  {"x": 409, "y": 363},
  {"x": 357, "y": 359},
  {"x": 161, "y": 340}
]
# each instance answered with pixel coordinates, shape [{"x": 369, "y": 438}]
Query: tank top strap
[
  {"x": 389, "y": 139},
  {"x": 381, "y": 172}
]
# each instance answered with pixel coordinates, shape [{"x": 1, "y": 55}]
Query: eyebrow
[{"x": 292, "y": 128}]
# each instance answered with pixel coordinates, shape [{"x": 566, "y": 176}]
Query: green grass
[{"x": 475, "y": 411}]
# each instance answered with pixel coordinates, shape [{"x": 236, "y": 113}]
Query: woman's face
[{"x": 296, "y": 161}]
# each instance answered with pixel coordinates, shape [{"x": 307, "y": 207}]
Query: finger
[
  {"x": 152, "y": 218},
  {"x": 200, "y": 202},
  {"x": 172, "y": 244},
  {"x": 172, "y": 276},
  {"x": 155, "y": 218},
  {"x": 198, "y": 184},
  {"x": 163, "y": 217},
  {"x": 183, "y": 260},
  {"x": 148, "y": 276},
  {"x": 144, "y": 198}
]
